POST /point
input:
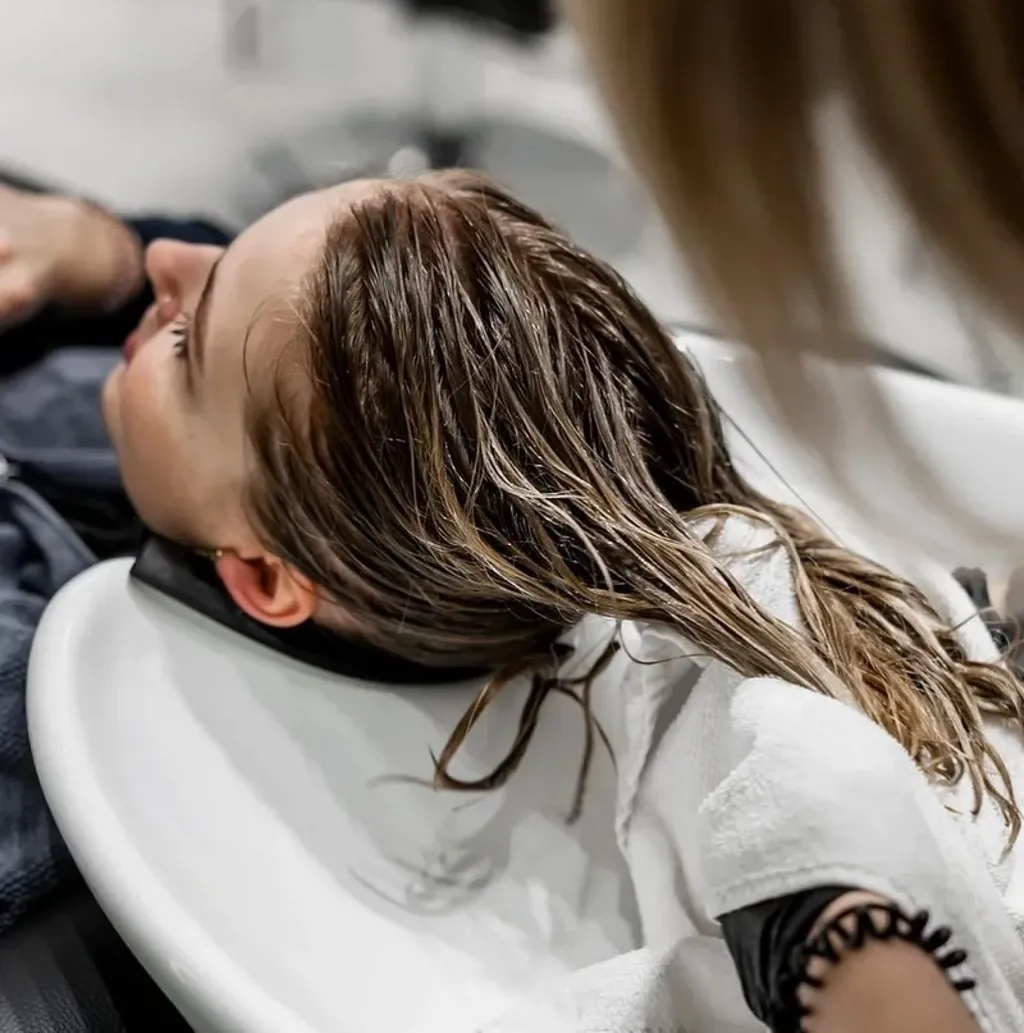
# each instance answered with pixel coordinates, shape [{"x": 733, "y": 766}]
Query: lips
[
  {"x": 147, "y": 326},
  {"x": 131, "y": 345}
]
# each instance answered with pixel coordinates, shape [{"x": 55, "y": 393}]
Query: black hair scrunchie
[{"x": 848, "y": 931}]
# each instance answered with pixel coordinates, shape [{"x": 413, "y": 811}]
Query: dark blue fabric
[{"x": 61, "y": 508}]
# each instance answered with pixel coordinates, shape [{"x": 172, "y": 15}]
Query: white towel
[
  {"x": 734, "y": 791},
  {"x": 644, "y": 991}
]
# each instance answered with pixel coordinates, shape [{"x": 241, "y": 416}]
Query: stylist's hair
[
  {"x": 493, "y": 437},
  {"x": 718, "y": 100}
]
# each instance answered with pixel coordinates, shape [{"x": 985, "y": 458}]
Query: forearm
[
  {"x": 870, "y": 970},
  {"x": 110, "y": 328},
  {"x": 881, "y": 987},
  {"x": 58, "y": 325}
]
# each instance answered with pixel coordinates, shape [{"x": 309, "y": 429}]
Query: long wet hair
[{"x": 493, "y": 437}]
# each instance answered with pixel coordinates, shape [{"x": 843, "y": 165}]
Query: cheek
[
  {"x": 141, "y": 410},
  {"x": 147, "y": 435}
]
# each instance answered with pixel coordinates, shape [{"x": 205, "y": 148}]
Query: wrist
[
  {"x": 889, "y": 987},
  {"x": 867, "y": 966},
  {"x": 101, "y": 264}
]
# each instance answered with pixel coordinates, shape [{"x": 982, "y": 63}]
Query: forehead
[{"x": 261, "y": 272}]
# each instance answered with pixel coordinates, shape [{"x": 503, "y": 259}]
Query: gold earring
[{"x": 213, "y": 555}]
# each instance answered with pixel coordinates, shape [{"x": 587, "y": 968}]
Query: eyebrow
[{"x": 202, "y": 317}]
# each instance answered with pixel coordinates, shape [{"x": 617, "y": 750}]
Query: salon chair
[{"x": 259, "y": 833}]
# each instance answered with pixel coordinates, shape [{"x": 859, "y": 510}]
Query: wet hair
[
  {"x": 492, "y": 437},
  {"x": 722, "y": 106}
]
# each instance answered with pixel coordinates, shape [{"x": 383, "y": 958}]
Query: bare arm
[
  {"x": 849, "y": 960},
  {"x": 882, "y": 987},
  {"x": 63, "y": 251}
]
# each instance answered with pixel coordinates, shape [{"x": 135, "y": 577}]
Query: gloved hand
[{"x": 65, "y": 252}]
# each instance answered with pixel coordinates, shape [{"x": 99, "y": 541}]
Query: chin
[{"x": 140, "y": 497}]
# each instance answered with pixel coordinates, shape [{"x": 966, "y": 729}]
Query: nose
[{"x": 177, "y": 271}]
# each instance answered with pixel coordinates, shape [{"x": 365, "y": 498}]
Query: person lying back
[{"x": 416, "y": 413}]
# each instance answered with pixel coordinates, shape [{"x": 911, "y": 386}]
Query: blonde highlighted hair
[
  {"x": 718, "y": 101},
  {"x": 499, "y": 438}
]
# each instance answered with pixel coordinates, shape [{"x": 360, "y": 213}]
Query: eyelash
[{"x": 179, "y": 337}]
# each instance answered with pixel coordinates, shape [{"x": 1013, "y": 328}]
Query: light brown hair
[
  {"x": 499, "y": 438},
  {"x": 719, "y": 105}
]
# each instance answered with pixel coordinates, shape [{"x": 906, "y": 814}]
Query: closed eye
[{"x": 179, "y": 338}]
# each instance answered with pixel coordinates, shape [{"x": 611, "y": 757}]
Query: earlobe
[{"x": 267, "y": 589}]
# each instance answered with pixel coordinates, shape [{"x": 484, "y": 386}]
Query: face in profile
[{"x": 176, "y": 406}]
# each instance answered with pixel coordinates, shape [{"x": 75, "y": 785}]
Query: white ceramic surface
[
  {"x": 240, "y": 820},
  {"x": 233, "y": 814},
  {"x": 955, "y": 494}
]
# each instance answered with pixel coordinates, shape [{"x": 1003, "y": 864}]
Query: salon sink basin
[{"x": 260, "y": 834}]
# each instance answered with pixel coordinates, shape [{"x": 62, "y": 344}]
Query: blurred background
[{"x": 223, "y": 107}]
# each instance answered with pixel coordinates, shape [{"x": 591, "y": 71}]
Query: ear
[{"x": 267, "y": 589}]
